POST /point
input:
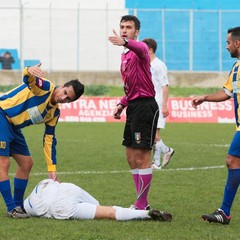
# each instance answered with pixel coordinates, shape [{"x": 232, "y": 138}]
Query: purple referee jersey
[{"x": 136, "y": 74}]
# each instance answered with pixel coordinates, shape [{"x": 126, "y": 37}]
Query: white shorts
[
  {"x": 73, "y": 202},
  {"x": 51, "y": 199},
  {"x": 85, "y": 211}
]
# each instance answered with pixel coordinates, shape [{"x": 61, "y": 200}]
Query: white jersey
[
  {"x": 159, "y": 78},
  {"x": 51, "y": 199}
]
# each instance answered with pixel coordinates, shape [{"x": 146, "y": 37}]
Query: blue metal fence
[{"x": 192, "y": 40}]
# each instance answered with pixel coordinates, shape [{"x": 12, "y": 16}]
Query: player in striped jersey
[
  {"x": 34, "y": 101},
  {"x": 230, "y": 89}
]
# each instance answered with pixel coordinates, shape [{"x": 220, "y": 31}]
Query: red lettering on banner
[
  {"x": 90, "y": 109},
  {"x": 100, "y": 109}
]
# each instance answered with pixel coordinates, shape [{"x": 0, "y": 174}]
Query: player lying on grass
[{"x": 51, "y": 199}]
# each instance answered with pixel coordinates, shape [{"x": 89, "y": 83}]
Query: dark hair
[
  {"x": 136, "y": 21},
  {"x": 151, "y": 43},
  {"x": 235, "y": 32},
  {"x": 77, "y": 87}
]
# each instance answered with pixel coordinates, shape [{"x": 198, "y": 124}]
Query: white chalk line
[{"x": 127, "y": 171}]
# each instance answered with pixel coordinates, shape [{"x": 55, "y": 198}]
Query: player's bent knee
[{"x": 232, "y": 162}]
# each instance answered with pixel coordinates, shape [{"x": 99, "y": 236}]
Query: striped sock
[
  {"x": 135, "y": 174},
  {"x": 145, "y": 179}
]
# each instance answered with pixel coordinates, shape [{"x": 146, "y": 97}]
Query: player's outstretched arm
[
  {"x": 197, "y": 101},
  {"x": 116, "y": 39},
  {"x": 215, "y": 97}
]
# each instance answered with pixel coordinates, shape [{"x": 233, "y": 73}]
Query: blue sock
[
  {"x": 19, "y": 190},
  {"x": 5, "y": 189},
  {"x": 231, "y": 188}
]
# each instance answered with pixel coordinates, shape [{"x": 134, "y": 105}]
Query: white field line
[
  {"x": 169, "y": 143},
  {"x": 127, "y": 171},
  {"x": 200, "y": 144}
]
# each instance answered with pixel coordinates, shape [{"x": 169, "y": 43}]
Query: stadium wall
[{"x": 177, "y": 79}]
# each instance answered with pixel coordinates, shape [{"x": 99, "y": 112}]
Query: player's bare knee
[
  {"x": 30, "y": 164},
  {"x": 139, "y": 162},
  {"x": 229, "y": 161},
  {"x": 26, "y": 165},
  {"x": 4, "y": 163},
  {"x": 232, "y": 162}
]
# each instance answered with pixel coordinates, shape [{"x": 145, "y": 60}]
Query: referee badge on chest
[{"x": 137, "y": 137}]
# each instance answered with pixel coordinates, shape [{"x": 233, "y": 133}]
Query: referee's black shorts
[{"x": 141, "y": 123}]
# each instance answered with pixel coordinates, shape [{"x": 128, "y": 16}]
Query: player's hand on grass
[
  {"x": 36, "y": 71},
  {"x": 53, "y": 175}
]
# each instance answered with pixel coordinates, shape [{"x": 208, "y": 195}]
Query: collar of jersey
[{"x": 125, "y": 50}]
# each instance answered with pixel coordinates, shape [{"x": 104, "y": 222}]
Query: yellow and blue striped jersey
[
  {"x": 30, "y": 103},
  {"x": 233, "y": 86}
]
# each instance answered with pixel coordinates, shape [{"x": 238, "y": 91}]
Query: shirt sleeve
[
  {"x": 11, "y": 59},
  {"x": 43, "y": 87},
  {"x": 50, "y": 143},
  {"x": 36, "y": 85},
  {"x": 139, "y": 48},
  {"x": 227, "y": 87},
  {"x": 124, "y": 101},
  {"x": 165, "y": 80}
]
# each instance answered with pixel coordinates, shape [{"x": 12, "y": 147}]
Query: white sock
[
  {"x": 123, "y": 214},
  {"x": 157, "y": 153},
  {"x": 163, "y": 147}
]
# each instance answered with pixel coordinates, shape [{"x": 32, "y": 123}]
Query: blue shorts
[
  {"x": 234, "y": 148},
  {"x": 11, "y": 139}
]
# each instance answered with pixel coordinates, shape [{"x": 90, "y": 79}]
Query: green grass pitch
[{"x": 91, "y": 156}]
